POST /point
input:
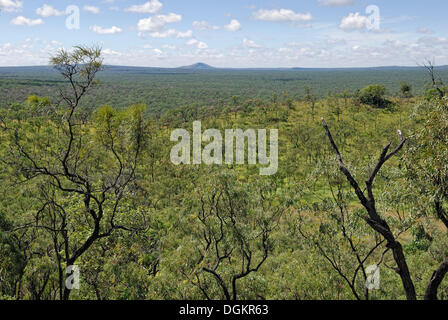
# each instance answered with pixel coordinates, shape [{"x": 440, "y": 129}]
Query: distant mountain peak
[{"x": 198, "y": 66}]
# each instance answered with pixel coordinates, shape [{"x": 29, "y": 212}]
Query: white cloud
[
  {"x": 11, "y": 5},
  {"x": 250, "y": 44},
  {"x": 22, "y": 21},
  {"x": 186, "y": 34},
  {"x": 202, "y": 45},
  {"x": 159, "y": 54},
  {"x": 48, "y": 11},
  {"x": 285, "y": 50},
  {"x": 101, "y": 30},
  {"x": 354, "y": 21},
  {"x": 157, "y": 23},
  {"x": 110, "y": 52},
  {"x": 357, "y": 50},
  {"x": 152, "y": 6},
  {"x": 282, "y": 15},
  {"x": 336, "y": 3},
  {"x": 433, "y": 41},
  {"x": 197, "y": 43},
  {"x": 425, "y": 30},
  {"x": 92, "y": 9},
  {"x": 233, "y": 26},
  {"x": 192, "y": 42},
  {"x": 172, "y": 33},
  {"x": 204, "y": 25}
]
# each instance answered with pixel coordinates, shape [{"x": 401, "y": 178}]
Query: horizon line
[{"x": 210, "y": 67}]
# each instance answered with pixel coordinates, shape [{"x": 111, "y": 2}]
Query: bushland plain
[{"x": 86, "y": 180}]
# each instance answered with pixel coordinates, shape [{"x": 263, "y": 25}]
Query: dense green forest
[
  {"x": 168, "y": 89},
  {"x": 87, "y": 181}
]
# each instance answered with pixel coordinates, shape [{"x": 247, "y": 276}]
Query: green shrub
[{"x": 374, "y": 96}]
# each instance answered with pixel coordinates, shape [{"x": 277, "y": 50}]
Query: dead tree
[
  {"x": 373, "y": 219},
  {"x": 429, "y": 66},
  {"x": 235, "y": 242}
]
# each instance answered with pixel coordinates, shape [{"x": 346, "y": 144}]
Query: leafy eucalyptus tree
[
  {"x": 427, "y": 169},
  {"x": 80, "y": 175}
]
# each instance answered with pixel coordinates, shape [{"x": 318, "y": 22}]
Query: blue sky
[{"x": 231, "y": 33}]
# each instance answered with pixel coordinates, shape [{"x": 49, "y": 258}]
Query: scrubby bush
[{"x": 374, "y": 96}]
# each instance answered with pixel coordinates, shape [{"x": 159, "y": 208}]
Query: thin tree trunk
[
  {"x": 373, "y": 219},
  {"x": 403, "y": 271},
  {"x": 436, "y": 280}
]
